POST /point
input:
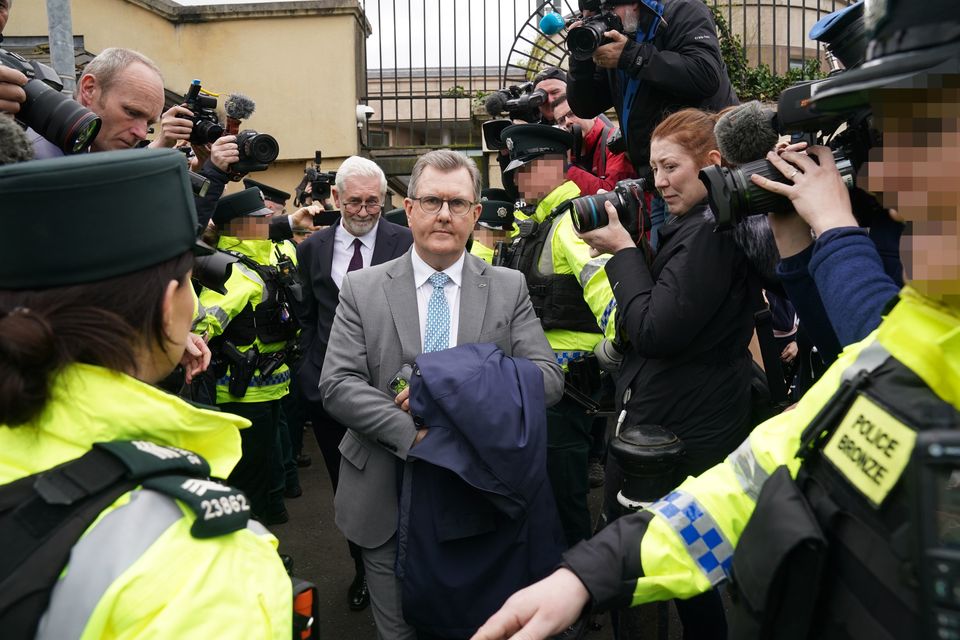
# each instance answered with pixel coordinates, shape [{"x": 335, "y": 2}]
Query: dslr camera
[
  {"x": 583, "y": 40},
  {"x": 257, "y": 151},
  {"x": 58, "y": 118},
  {"x": 206, "y": 124},
  {"x": 627, "y": 197}
]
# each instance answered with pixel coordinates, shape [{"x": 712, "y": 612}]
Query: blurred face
[
  {"x": 675, "y": 172},
  {"x": 131, "y": 105},
  {"x": 359, "y": 204},
  {"x": 554, "y": 88},
  {"x": 439, "y": 238},
  {"x": 629, "y": 14},
  {"x": 917, "y": 172},
  {"x": 537, "y": 179},
  {"x": 248, "y": 227}
]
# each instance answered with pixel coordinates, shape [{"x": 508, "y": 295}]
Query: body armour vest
[
  {"x": 856, "y": 572},
  {"x": 271, "y": 321},
  {"x": 557, "y": 298}
]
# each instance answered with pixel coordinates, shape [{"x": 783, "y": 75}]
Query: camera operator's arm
[
  {"x": 845, "y": 264},
  {"x": 223, "y": 153},
  {"x": 687, "y": 64},
  {"x": 12, "y": 94},
  {"x": 281, "y": 227},
  {"x": 588, "y": 89},
  {"x": 174, "y": 125}
]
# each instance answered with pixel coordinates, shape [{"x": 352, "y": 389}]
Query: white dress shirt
[
  {"x": 343, "y": 251},
  {"x": 421, "y": 279}
]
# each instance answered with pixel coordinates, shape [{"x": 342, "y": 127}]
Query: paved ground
[{"x": 320, "y": 555}]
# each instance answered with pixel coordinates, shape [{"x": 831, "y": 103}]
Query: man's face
[
  {"x": 538, "y": 178},
  {"x": 629, "y": 15},
  {"x": 554, "y": 88},
  {"x": 4, "y": 13},
  {"x": 441, "y": 237},
  {"x": 358, "y": 220},
  {"x": 917, "y": 172},
  {"x": 128, "y": 108},
  {"x": 566, "y": 119}
]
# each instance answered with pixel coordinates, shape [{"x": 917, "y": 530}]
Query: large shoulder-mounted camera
[
  {"x": 58, "y": 118},
  {"x": 518, "y": 102},
  {"x": 206, "y": 124}
]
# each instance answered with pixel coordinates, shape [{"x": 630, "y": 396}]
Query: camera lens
[
  {"x": 589, "y": 213},
  {"x": 262, "y": 148},
  {"x": 58, "y": 118},
  {"x": 205, "y": 131},
  {"x": 584, "y": 40}
]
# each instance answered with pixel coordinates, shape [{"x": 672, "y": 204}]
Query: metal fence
[{"x": 430, "y": 63}]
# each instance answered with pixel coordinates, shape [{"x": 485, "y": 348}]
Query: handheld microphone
[
  {"x": 746, "y": 133},
  {"x": 14, "y": 144},
  {"x": 553, "y": 23},
  {"x": 238, "y": 107}
]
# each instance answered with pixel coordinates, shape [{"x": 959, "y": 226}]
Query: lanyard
[{"x": 632, "y": 83}]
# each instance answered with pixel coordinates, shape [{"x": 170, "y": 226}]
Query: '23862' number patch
[{"x": 219, "y": 508}]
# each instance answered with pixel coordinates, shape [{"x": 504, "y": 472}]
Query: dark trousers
[
  {"x": 329, "y": 433},
  {"x": 568, "y": 447},
  {"x": 253, "y": 473}
]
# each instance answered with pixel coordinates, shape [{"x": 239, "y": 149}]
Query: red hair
[{"x": 692, "y": 129}]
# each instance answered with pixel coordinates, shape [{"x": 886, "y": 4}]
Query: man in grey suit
[{"x": 434, "y": 297}]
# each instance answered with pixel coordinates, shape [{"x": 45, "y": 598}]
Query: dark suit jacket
[{"x": 321, "y": 295}]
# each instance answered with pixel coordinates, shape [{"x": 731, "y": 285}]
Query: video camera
[
  {"x": 319, "y": 181},
  {"x": 206, "y": 124},
  {"x": 58, "y": 118},
  {"x": 518, "y": 102}
]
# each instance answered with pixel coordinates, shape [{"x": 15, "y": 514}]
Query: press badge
[{"x": 871, "y": 449}]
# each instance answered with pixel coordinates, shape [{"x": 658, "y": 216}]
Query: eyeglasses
[
  {"x": 354, "y": 206},
  {"x": 433, "y": 204}
]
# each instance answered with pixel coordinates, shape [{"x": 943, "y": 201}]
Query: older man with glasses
[
  {"x": 360, "y": 239},
  {"x": 435, "y": 297}
]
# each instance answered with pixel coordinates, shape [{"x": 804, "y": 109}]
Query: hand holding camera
[
  {"x": 176, "y": 124},
  {"x": 815, "y": 188},
  {"x": 608, "y": 55},
  {"x": 12, "y": 94},
  {"x": 224, "y": 153},
  {"x": 611, "y": 237}
]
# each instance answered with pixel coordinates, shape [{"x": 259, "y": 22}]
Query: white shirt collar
[
  {"x": 345, "y": 238},
  {"x": 422, "y": 271}
]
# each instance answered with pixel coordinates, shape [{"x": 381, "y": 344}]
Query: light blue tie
[{"x": 436, "y": 336}]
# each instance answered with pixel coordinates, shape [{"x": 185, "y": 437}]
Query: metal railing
[{"x": 429, "y": 63}]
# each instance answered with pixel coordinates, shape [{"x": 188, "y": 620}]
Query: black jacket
[
  {"x": 681, "y": 68},
  {"x": 689, "y": 323},
  {"x": 321, "y": 295}
]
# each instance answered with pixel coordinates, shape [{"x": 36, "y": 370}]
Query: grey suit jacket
[{"x": 376, "y": 330}]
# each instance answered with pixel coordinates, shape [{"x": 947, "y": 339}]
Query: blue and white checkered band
[{"x": 705, "y": 542}]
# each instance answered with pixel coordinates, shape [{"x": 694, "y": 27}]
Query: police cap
[
  {"x": 909, "y": 42},
  {"x": 93, "y": 216},
  {"x": 527, "y": 142},
  {"x": 248, "y": 202},
  {"x": 496, "y": 209},
  {"x": 271, "y": 194}
]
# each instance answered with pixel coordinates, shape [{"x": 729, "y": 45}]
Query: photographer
[
  {"x": 553, "y": 81},
  {"x": 666, "y": 58},
  {"x": 597, "y": 167},
  {"x": 125, "y": 89},
  {"x": 789, "y": 479}
]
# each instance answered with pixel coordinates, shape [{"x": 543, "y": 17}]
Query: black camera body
[
  {"x": 627, "y": 197},
  {"x": 58, "y": 118},
  {"x": 257, "y": 151},
  {"x": 583, "y": 40},
  {"x": 517, "y": 102},
  {"x": 320, "y": 181},
  {"x": 206, "y": 124}
]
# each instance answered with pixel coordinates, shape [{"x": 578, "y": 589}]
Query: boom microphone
[
  {"x": 14, "y": 144},
  {"x": 237, "y": 107},
  {"x": 746, "y": 133}
]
